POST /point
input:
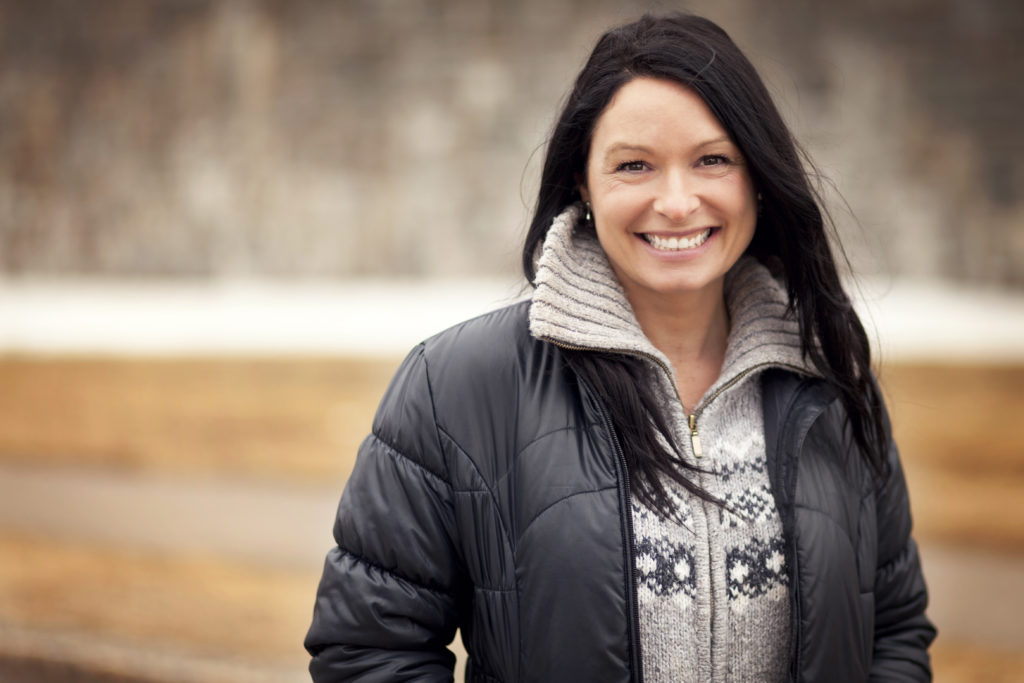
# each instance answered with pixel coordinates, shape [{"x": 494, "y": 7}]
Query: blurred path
[
  {"x": 165, "y": 519},
  {"x": 975, "y": 596},
  {"x": 257, "y": 521}
]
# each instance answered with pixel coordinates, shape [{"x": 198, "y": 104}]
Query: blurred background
[{"x": 222, "y": 224}]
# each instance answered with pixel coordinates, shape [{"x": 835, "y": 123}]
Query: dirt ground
[{"x": 301, "y": 420}]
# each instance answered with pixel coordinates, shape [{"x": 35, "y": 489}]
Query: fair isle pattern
[
  {"x": 750, "y": 506},
  {"x": 665, "y": 568},
  {"x": 712, "y": 586},
  {"x": 755, "y": 569},
  {"x": 665, "y": 564},
  {"x": 737, "y": 469}
]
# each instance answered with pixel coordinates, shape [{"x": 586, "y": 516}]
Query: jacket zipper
[
  {"x": 634, "y": 609},
  {"x": 698, "y": 452},
  {"x": 623, "y": 485},
  {"x": 794, "y": 572}
]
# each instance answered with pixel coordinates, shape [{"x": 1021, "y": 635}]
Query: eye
[
  {"x": 713, "y": 160},
  {"x": 631, "y": 166}
]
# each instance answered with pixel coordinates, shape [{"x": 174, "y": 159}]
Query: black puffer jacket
[{"x": 492, "y": 497}]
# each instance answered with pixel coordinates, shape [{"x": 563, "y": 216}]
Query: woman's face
[{"x": 671, "y": 197}]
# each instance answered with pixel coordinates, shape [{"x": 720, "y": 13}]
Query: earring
[{"x": 588, "y": 218}]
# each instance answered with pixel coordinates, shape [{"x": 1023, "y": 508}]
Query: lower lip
[{"x": 679, "y": 254}]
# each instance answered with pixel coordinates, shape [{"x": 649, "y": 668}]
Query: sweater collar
[{"x": 578, "y": 302}]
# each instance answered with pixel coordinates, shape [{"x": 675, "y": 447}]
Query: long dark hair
[{"x": 791, "y": 235}]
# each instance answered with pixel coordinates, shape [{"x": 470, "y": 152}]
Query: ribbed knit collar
[{"x": 579, "y": 302}]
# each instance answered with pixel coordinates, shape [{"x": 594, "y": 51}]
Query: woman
[{"x": 672, "y": 463}]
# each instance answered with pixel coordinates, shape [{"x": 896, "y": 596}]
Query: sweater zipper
[
  {"x": 695, "y": 443},
  {"x": 698, "y": 450}
]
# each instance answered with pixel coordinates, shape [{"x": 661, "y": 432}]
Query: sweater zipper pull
[{"x": 695, "y": 437}]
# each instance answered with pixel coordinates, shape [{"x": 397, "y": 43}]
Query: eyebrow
[
  {"x": 715, "y": 141},
  {"x": 626, "y": 147},
  {"x": 630, "y": 147}
]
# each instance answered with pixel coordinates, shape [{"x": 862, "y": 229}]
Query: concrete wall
[{"x": 303, "y": 138}]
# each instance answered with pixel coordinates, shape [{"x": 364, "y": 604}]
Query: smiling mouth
[{"x": 677, "y": 243}]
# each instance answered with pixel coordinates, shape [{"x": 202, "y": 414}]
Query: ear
[{"x": 581, "y": 185}]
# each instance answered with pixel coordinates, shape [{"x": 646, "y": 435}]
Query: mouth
[{"x": 677, "y": 243}]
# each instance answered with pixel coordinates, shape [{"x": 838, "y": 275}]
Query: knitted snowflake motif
[
  {"x": 666, "y": 568},
  {"x": 755, "y": 569}
]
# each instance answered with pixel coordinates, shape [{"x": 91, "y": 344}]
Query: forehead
[{"x": 652, "y": 110}]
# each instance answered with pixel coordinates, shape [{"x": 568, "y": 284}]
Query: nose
[{"x": 676, "y": 198}]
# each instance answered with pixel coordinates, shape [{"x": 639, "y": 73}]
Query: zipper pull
[{"x": 695, "y": 437}]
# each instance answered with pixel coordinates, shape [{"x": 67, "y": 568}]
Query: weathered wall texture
[{"x": 281, "y": 138}]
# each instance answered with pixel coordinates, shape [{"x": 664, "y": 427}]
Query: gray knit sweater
[{"x": 712, "y": 587}]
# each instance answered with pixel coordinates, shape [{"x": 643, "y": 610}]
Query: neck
[{"x": 692, "y": 331}]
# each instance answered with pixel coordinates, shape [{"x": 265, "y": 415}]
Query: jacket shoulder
[
  {"x": 445, "y": 365},
  {"x": 480, "y": 367},
  {"x": 489, "y": 337},
  {"x": 496, "y": 388}
]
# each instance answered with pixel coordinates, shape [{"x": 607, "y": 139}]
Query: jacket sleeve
[
  {"x": 902, "y": 630},
  {"x": 386, "y": 607}
]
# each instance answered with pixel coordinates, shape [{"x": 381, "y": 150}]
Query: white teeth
[{"x": 677, "y": 243}]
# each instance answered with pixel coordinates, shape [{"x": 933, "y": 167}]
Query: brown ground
[
  {"x": 302, "y": 420},
  {"x": 195, "y": 603},
  {"x": 291, "y": 418},
  {"x": 963, "y": 451}
]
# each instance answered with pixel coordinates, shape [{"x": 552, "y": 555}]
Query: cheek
[
  {"x": 618, "y": 201},
  {"x": 741, "y": 198}
]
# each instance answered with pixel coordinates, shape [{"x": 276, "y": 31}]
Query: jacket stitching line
[
  {"x": 433, "y": 406},
  {"x": 399, "y": 455},
  {"x": 829, "y": 517},
  {"x": 437, "y": 590},
  {"x": 556, "y": 502},
  {"x": 393, "y": 451},
  {"x": 547, "y": 434},
  {"x": 486, "y": 488},
  {"x": 465, "y": 455},
  {"x": 439, "y": 431},
  {"x": 519, "y": 453}
]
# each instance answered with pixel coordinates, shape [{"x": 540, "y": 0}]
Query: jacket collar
[{"x": 579, "y": 303}]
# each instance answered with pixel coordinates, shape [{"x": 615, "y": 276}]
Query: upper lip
[{"x": 678, "y": 233}]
